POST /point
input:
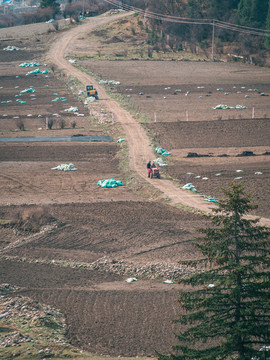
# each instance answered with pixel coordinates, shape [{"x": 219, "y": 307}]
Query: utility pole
[
  {"x": 83, "y": 10},
  {"x": 213, "y": 40}
]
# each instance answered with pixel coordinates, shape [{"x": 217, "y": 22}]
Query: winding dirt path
[{"x": 140, "y": 148}]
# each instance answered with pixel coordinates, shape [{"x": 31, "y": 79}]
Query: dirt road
[{"x": 140, "y": 149}]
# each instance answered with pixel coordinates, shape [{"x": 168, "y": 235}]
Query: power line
[{"x": 183, "y": 20}]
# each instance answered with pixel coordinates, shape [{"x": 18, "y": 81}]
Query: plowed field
[{"x": 103, "y": 236}]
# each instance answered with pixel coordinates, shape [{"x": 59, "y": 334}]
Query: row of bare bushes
[
  {"x": 62, "y": 124},
  {"x": 37, "y": 15}
]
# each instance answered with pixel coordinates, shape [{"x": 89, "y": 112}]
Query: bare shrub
[
  {"x": 141, "y": 52},
  {"x": 50, "y": 124},
  {"x": 163, "y": 46},
  {"x": 150, "y": 51},
  {"x": 156, "y": 48},
  {"x": 172, "y": 43},
  {"x": 75, "y": 18},
  {"x": 20, "y": 125},
  {"x": 50, "y": 30},
  {"x": 31, "y": 219},
  {"x": 133, "y": 31},
  {"x": 62, "y": 123},
  {"x": 259, "y": 59},
  {"x": 73, "y": 124},
  {"x": 55, "y": 25}
]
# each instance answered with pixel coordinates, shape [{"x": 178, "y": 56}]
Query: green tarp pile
[
  {"x": 37, "y": 71},
  {"x": 120, "y": 140},
  {"x": 190, "y": 187},
  {"x": 29, "y": 90},
  {"x": 32, "y": 64},
  {"x": 109, "y": 183},
  {"x": 161, "y": 151},
  {"x": 210, "y": 199}
]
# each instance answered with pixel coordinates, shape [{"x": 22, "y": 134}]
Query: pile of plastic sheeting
[
  {"x": 161, "y": 151},
  {"x": 211, "y": 199},
  {"x": 109, "y": 82},
  {"x": 11, "y": 48},
  {"x": 32, "y": 64},
  {"x": 160, "y": 162},
  {"x": 49, "y": 21},
  {"x": 109, "y": 183},
  {"x": 130, "y": 280},
  {"x": 72, "y": 109},
  {"x": 227, "y": 107},
  {"x": 190, "y": 187},
  {"x": 90, "y": 99},
  {"x": 120, "y": 140},
  {"x": 65, "y": 167},
  {"x": 72, "y": 61},
  {"x": 240, "y": 107},
  {"x": 37, "y": 71},
  {"x": 168, "y": 282},
  {"x": 29, "y": 90}
]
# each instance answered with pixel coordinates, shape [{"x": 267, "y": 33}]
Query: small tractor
[
  {"x": 155, "y": 173},
  {"x": 91, "y": 91}
]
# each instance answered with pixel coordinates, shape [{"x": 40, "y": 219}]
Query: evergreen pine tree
[
  {"x": 244, "y": 12},
  {"x": 252, "y": 12},
  {"x": 259, "y": 12},
  {"x": 227, "y": 313},
  {"x": 267, "y": 38}
]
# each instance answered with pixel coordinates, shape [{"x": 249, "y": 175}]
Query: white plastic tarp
[
  {"x": 65, "y": 167},
  {"x": 11, "y": 48},
  {"x": 109, "y": 82},
  {"x": 72, "y": 109},
  {"x": 160, "y": 162}
]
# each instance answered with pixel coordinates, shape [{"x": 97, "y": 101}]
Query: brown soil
[
  {"x": 153, "y": 87},
  {"x": 105, "y": 314}
]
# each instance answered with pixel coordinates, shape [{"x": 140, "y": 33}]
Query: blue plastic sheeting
[{"x": 78, "y": 138}]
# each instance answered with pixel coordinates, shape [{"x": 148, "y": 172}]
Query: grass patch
[
  {"x": 5, "y": 223},
  {"x": 5, "y": 329},
  {"x": 132, "y": 39}
]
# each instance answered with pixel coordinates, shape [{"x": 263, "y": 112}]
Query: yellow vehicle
[{"x": 91, "y": 91}]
